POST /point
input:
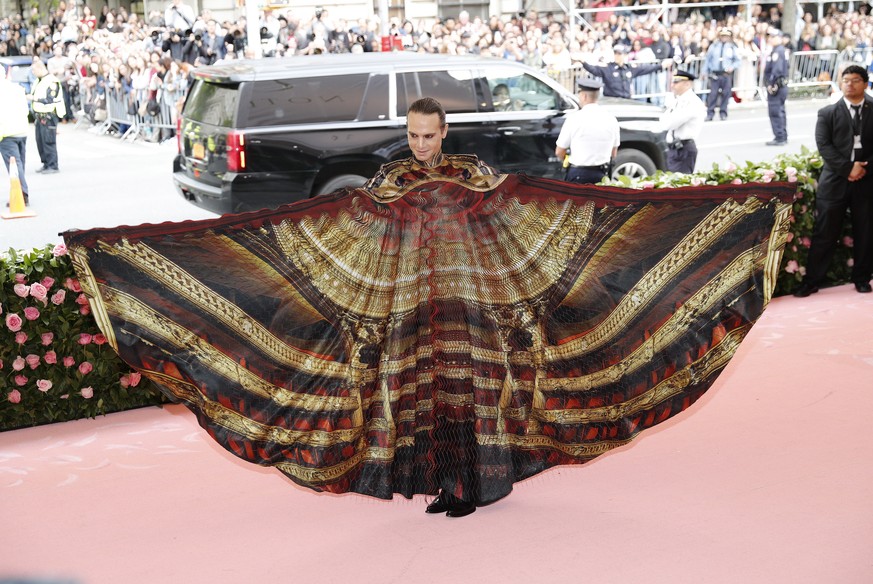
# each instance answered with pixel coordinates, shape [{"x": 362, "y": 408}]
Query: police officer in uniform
[
  {"x": 617, "y": 75},
  {"x": 48, "y": 107},
  {"x": 776, "y": 79},
  {"x": 591, "y": 135},
  {"x": 683, "y": 121},
  {"x": 722, "y": 59}
]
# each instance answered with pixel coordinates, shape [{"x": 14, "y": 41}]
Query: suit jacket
[{"x": 835, "y": 139}]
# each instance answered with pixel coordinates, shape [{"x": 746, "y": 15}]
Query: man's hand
[{"x": 858, "y": 171}]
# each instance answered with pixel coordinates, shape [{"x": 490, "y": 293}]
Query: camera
[{"x": 198, "y": 37}]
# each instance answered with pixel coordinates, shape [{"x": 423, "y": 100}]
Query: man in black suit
[{"x": 844, "y": 136}]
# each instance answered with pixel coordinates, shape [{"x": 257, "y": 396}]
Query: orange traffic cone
[{"x": 17, "y": 208}]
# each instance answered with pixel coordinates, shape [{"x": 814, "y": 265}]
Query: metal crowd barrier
[
  {"x": 123, "y": 115},
  {"x": 807, "y": 69}
]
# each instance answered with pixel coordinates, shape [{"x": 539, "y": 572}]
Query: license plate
[{"x": 197, "y": 151}]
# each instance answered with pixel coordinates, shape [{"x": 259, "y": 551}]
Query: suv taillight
[
  {"x": 236, "y": 152},
  {"x": 179, "y": 134}
]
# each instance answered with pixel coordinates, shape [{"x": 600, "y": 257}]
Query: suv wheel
[
  {"x": 633, "y": 163},
  {"x": 341, "y": 181}
]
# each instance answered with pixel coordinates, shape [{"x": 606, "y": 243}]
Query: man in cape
[{"x": 443, "y": 330}]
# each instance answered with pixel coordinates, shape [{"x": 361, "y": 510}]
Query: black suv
[{"x": 256, "y": 134}]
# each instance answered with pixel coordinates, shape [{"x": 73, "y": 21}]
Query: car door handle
[{"x": 509, "y": 129}]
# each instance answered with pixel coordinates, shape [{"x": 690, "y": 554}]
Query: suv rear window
[
  {"x": 212, "y": 103},
  {"x": 308, "y": 100}
]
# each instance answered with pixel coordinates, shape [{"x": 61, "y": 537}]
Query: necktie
[{"x": 856, "y": 129}]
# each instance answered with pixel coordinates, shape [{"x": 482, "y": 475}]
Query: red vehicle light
[{"x": 236, "y": 152}]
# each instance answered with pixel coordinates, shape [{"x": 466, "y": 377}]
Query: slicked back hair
[{"x": 428, "y": 106}]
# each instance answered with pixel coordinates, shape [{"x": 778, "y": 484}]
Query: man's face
[
  {"x": 681, "y": 86},
  {"x": 853, "y": 86},
  {"x": 425, "y": 135}
]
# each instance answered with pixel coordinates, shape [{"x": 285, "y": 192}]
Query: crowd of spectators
[{"x": 154, "y": 54}]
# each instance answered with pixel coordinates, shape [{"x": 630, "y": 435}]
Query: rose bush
[
  {"x": 48, "y": 373},
  {"x": 803, "y": 169}
]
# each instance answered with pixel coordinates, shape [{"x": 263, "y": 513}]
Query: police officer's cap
[
  {"x": 589, "y": 84},
  {"x": 725, "y": 31},
  {"x": 619, "y": 49},
  {"x": 683, "y": 76}
]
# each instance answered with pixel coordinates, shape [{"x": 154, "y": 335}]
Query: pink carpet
[{"x": 768, "y": 478}]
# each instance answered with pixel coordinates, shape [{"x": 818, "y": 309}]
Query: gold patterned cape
[{"x": 440, "y": 328}]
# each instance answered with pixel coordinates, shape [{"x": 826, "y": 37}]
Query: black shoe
[
  {"x": 50, "y": 171},
  {"x": 708, "y": 119},
  {"x": 777, "y": 142},
  {"x": 805, "y": 290},
  {"x": 461, "y": 509},
  {"x": 26, "y": 201},
  {"x": 41, "y": 169},
  {"x": 450, "y": 505},
  {"x": 723, "y": 117},
  {"x": 863, "y": 287}
]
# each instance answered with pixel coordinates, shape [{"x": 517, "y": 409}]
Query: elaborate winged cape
[{"x": 440, "y": 328}]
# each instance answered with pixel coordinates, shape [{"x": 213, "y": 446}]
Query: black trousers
[
  {"x": 683, "y": 159},
  {"x": 776, "y": 110},
  {"x": 46, "y": 129},
  {"x": 15, "y": 146},
  {"x": 719, "y": 94},
  {"x": 829, "y": 217},
  {"x": 585, "y": 175}
]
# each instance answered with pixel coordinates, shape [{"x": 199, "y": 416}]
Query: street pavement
[{"x": 105, "y": 182}]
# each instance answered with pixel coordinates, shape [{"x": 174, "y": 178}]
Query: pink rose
[
  {"x": 32, "y": 360},
  {"x": 769, "y": 172},
  {"x": 31, "y": 313},
  {"x": 65, "y": 396},
  {"x": 21, "y": 290},
  {"x": 87, "y": 392},
  {"x": 58, "y": 297},
  {"x": 789, "y": 237},
  {"x": 69, "y": 361},
  {"x": 766, "y": 178},
  {"x": 730, "y": 167},
  {"x": 737, "y": 181},
  {"x": 1, "y": 363},
  {"x": 848, "y": 241},
  {"x": 85, "y": 368},
  {"x": 20, "y": 380},
  {"x": 73, "y": 285},
  {"x": 38, "y": 291},
  {"x": 124, "y": 381},
  {"x": 47, "y": 338},
  {"x": 99, "y": 339},
  {"x": 50, "y": 357},
  {"x": 43, "y": 385},
  {"x": 21, "y": 337},
  {"x": 14, "y": 396},
  {"x": 20, "y": 278},
  {"x": 59, "y": 250},
  {"x": 135, "y": 378},
  {"x": 806, "y": 241},
  {"x": 13, "y": 322},
  {"x": 792, "y": 178},
  {"x": 19, "y": 363},
  {"x": 84, "y": 339},
  {"x": 850, "y": 262},
  {"x": 791, "y": 266},
  {"x": 82, "y": 300},
  {"x": 85, "y": 311},
  {"x": 696, "y": 181},
  {"x": 649, "y": 184},
  {"x": 790, "y": 170},
  {"x": 48, "y": 282}
]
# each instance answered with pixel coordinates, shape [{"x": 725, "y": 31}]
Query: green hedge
[{"x": 55, "y": 365}]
